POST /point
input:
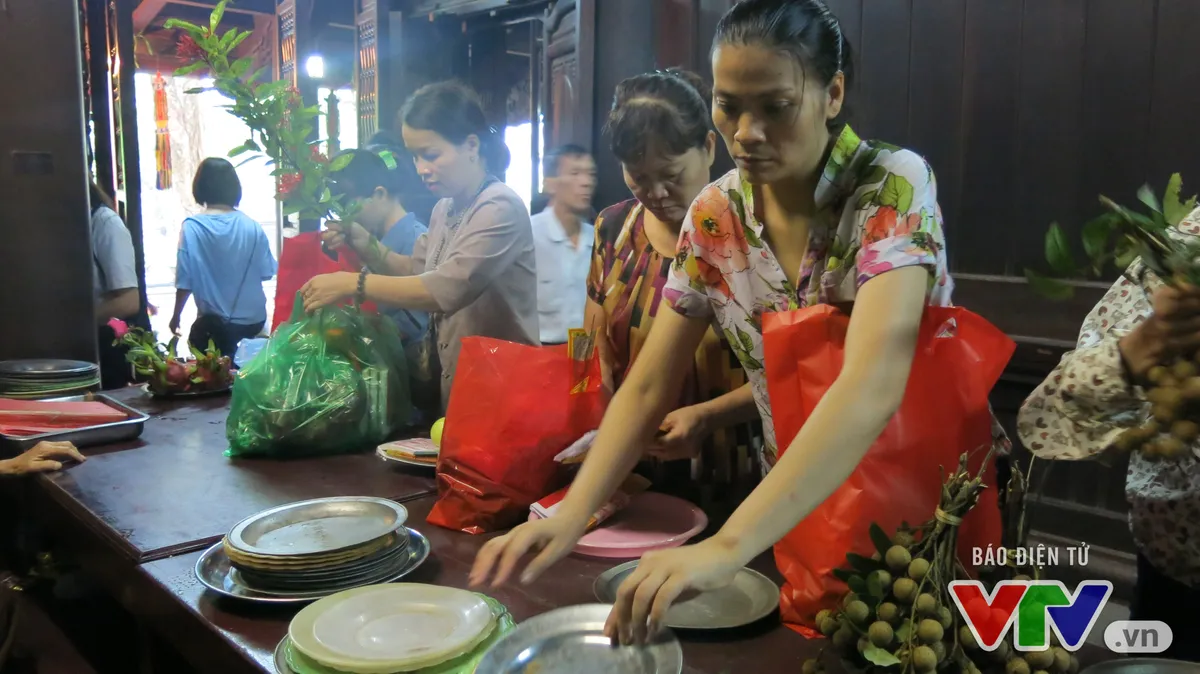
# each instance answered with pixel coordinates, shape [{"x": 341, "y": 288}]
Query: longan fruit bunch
[{"x": 1174, "y": 422}]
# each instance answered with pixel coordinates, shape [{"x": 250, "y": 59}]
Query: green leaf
[
  {"x": 875, "y": 586},
  {"x": 195, "y": 90},
  {"x": 1147, "y": 196},
  {"x": 1058, "y": 252},
  {"x": 218, "y": 12},
  {"x": 292, "y": 209},
  {"x": 878, "y": 656},
  {"x": 240, "y": 66},
  {"x": 340, "y": 163},
  {"x": 867, "y": 199},
  {"x": 172, "y": 24},
  {"x": 863, "y": 564},
  {"x": 249, "y": 159},
  {"x": 857, "y": 585},
  {"x": 1051, "y": 288},
  {"x": 843, "y": 575},
  {"x": 904, "y": 631},
  {"x": 896, "y": 192},
  {"x": 189, "y": 68},
  {"x": 248, "y": 146},
  {"x": 1126, "y": 253},
  {"x": 879, "y": 537},
  {"x": 876, "y": 175},
  {"x": 1173, "y": 209},
  {"x": 239, "y": 39},
  {"x": 1095, "y": 236},
  {"x": 744, "y": 340}
]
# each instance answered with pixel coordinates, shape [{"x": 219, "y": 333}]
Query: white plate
[{"x": 385, "y": 628}]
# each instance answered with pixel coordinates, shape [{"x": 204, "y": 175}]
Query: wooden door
[{"x": 568, "y": 66}]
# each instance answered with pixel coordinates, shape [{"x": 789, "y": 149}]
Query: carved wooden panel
[
  {"x": 568, "y": 63},
  {"x": 367, "y": 80},
  {"x": 287, "y": 41}
]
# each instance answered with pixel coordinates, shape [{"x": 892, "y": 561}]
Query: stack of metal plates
[
  {"x": 42, "y": 378},
  {"x": 311, "y": 549}
]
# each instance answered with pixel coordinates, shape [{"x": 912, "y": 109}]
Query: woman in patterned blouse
[
  {"x": 813, "y": 214},
  {"x": 1096, "y": 392},
  {"x": 661, "y": 132}
]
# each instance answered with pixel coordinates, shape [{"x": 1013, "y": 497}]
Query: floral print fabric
[
  {"x": 1081, "y": 408},
  {"x": 877, "y": 210}
]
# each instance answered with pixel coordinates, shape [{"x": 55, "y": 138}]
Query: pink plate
[{"x": 651, "y": 521}]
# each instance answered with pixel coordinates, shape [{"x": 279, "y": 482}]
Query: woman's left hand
[
  {"x": 683, "y": 431},
  {"x": 659, "y": 579},
  {"x": 327, "y": 289}
]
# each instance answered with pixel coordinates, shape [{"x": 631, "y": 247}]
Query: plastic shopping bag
[
  {"x": 333, "y": 382},
  {"x": 945, "y": 412},
  {"x": 301, "y": 259},
  {"x": 512, "y": 409}
]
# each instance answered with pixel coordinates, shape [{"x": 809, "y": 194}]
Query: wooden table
[{"x": 173, "y": 490}]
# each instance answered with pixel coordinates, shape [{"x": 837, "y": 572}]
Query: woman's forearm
[
  {"x": 404, "y": 292},
  {"x": 629, "y": 425},
  {"x": 181, "y": 298},
  {"x": 381, "y": 260},
  {"x": 822, "y": 456},
  {"x": 735, "y": 407}
]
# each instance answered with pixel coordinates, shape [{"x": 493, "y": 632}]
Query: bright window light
[{"x": 315, "y": 67}]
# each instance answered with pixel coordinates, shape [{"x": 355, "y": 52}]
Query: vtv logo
[{"x": 1034, "y": 608}]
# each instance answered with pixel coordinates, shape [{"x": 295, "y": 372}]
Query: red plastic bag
[
  {"x": 301, "y": 259},
  {"x": 512, "y": 409},
  {"x": 945, "y": 412}
]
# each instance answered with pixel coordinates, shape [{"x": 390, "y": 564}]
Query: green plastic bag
[{"x": 330, "y": 383}]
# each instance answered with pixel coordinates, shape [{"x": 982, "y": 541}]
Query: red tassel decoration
[{"x": 162, "y": 137}]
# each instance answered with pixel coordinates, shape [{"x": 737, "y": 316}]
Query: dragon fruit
[{"x": 208, "y": 370}]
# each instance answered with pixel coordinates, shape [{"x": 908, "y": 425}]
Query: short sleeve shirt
[
  {"x": 113, "y": 265},
  {"x": 877, "y": 210}
]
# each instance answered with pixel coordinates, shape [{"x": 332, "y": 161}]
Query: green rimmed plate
[{"x": 289, "y": 660}]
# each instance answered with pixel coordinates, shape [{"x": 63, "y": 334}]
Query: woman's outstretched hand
[
  {"x": 43, "y": 457},
  {"x": 327, "y": 289},
  {"x": 552, "y": 538},
  {"x": 660, "y": 578}
]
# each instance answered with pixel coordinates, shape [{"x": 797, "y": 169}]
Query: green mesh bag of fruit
[{"x": 332, "y": 382}]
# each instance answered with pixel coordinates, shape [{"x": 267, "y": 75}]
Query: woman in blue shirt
[
  {"x": 379, "y": 183},
  {"x": 224, "y": 257}
]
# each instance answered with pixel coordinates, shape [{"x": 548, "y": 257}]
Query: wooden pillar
[
  {"x": 98, "y": 96},
  {"x": 128, "y": 175},
  {"x": 296, "y": 40},
  {"x": 372, "y": 73}
]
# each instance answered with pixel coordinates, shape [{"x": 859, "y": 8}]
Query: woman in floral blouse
[
  {"x": 660, "y": 128},
  {"x": 1096, "y": 393},
  {"x": 813, "y": 214}
]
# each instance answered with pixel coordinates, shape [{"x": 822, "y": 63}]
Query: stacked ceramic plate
[
  {"x": 402, "y": 627},
  {"x": 43, "y": 378},
  {"x": 312, "y": 549}
]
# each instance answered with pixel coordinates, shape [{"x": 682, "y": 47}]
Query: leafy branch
[
  {"x": 1120, "y": 236},
  {"x": 280, "y": 125}
]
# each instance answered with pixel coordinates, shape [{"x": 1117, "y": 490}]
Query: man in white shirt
[{"x": 563, "y": 238}]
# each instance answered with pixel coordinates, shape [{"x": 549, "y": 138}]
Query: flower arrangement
[
  {"x": 208, "y": 371},
  {"x": 281, "y": 128}
]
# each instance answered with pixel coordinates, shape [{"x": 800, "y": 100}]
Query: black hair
[
  {"x": 806, "y": 29},
  {"x": 385, "y": 138},
  {"x": 99, "y": 197},
  {"x": 553, "y": 161},
  {"x": 367, "y": 170},
  {"x": 453, "y": 111},
  {"x": 217, "y": 182},
  {"x": 663, "y": 111}
]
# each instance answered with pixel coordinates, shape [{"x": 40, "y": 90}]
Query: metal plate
[
  {"x": 571, "y": 641},
  {"x": 117, "y": 431},
  {"x": 317, "y": 527},
  {"x": 750, "y": 598},
  {"x": 44, "y": 368},
  {"x": 187, "y": 394},
  {"x": 1143, "y": 666},
  {"x": 213, "y": 571}
]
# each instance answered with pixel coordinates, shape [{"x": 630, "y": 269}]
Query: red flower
[
  {"x": 319, "y": 156},
  {"x": 288, "y": 183},
  {"x": 119, "y": 328},
  {"x": 188, "y": 49}
]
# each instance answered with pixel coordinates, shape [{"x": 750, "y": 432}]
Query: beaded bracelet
[{"x": 361, "y": 295}]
